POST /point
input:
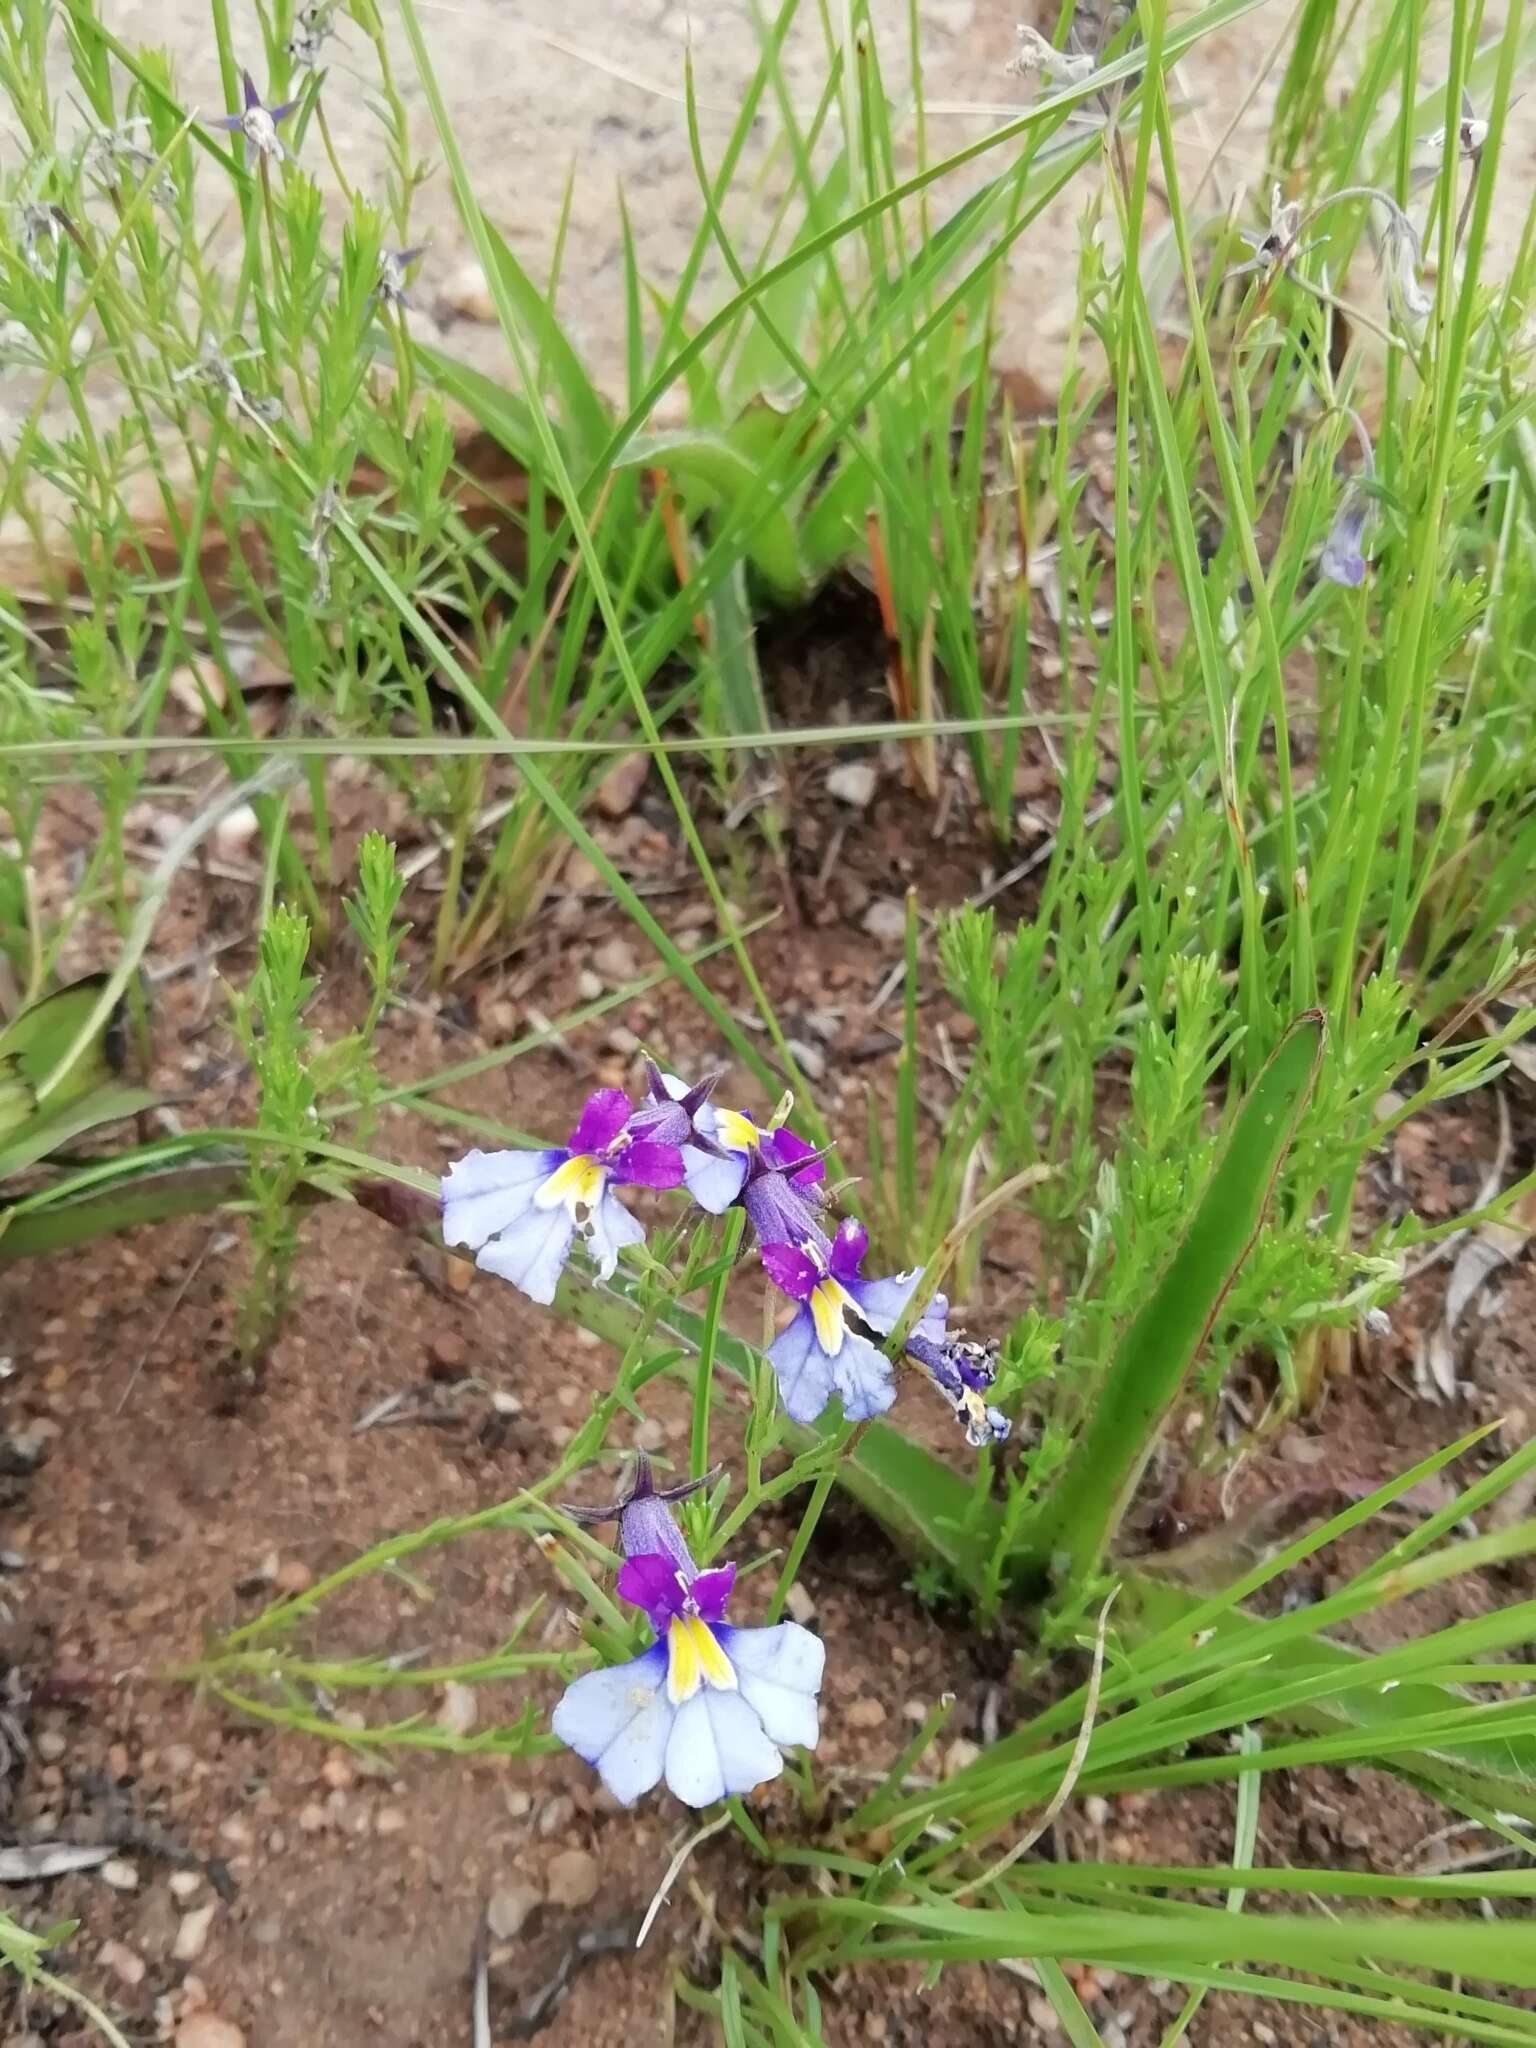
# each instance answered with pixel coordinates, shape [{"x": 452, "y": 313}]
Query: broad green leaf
[
  {"x": 722, "y": 475},
  {"x": 36, "y": 1136},
  {"x": 35, "y": 1039},
  {"x": 152, "y": 1197},
  {"x": 586, "y": 416},
  {"x": 1158, "y": 1351}
]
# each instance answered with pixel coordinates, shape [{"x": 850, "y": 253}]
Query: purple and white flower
[
  {"x": 1343, "y": 559},
  {"x": 257, "y": 123},
  {"x": 823, "y": 1352},
  {"x": 520, "y": 1212},
  {"x": 708, "y": 1707},
  {"x": 728, "y": 1158}
]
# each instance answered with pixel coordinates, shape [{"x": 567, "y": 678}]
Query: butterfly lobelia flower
[
  {"x": 521, "y": 1212},
  {"x": 1342, "y": 560},
  {"x": 829, "y": 1348},
  {"x": 708, "y": 1707},
  {"x": 728, "y": 1158},
  {"x": 257, "y": 123}
]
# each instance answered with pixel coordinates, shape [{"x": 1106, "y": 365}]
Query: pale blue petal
[
  {"x": 882, "y": 1301},
  {"x": 486, "y": 1191},
  {"x": 532, "y": 1253},
  {"x": 717, "y": 1749},
  {"x": 609, "y": 1228},
  {"x": 863, "y": 1376},
  {"x": 713, "y": 1183},
  {"x": 779, "y": 1673},
  {"x": 804, "y": 1370},
  {"x": 619, "y": 1721}
]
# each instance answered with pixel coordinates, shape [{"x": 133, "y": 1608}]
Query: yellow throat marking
[
  {"x": 828, "y": 1302},
  {"x": 737, "y": 1133},
  {"x": 694, "y": 1658},
  {"x": 578, "y": 1184}
]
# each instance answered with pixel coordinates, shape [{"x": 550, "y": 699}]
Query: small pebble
[
  {"x": 120, "y": 1874},
  {"x": 853, "y": 782},
  {"x": 865, "y": 1714},
  {"x": 619, "y": 791},
  {"x": 557, "y": 1815},
  {"x": 457, "y": 1712},
  {"x": 192, "y": 1934},
  {"x": 207, "y": 2030},
  {"x": 185, "y": 1884},
  {"x": 886, "y": 920},
  {"x": 651, "y": 1435},
  {"x": 236, "y": 1832},
  {"x": 802, "y": 1607},
  {"x": 293, "y": 1577},
  {"x": 178, "y": 1758},
  {"x": 589, "y": 986},
  {"x": 1096, "y": 1807},
  {"x": 233, "y": 834},
  {"x": 1042, "y": 2013},
  {"x": 519, "y": 1804},
  {"x": 615, "y": 960},
  {"x": 960, "y": 1755},
  {"x": 511, "y": 1909},
  {"x": 338, "y": 1773},
  {"x": 312, "y": 1817},
  {"x": 573, "y": 1878},
  {"x": 50, "y": 1745},
  {"x": 389, "y": 1820},
  {"x": 467, "y": 296},
  {"x": 447, "y": 1356},
  {"x": 122, "y": 1962}
]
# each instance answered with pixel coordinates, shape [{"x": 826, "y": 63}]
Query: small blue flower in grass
[
  {"x": 257, "y": 123},
  {"x": 521, "y": 1212},
  {"x": 708, "y": 1707},
  {"x": 1343, "y": 560},
  {"x": 822, "y": 1353}
]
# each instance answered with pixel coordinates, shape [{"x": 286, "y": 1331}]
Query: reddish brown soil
[{"x": 348, "y": 1901}]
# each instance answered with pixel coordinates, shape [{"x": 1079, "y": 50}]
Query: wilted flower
[
  {"x": 317, "y": 543},
  {"x": 1280, "y": 245},
  {"x": 393, "y": 264},
  {"x": 1342, "y": 560},
  {"x": 707, "y": 1707},
  {"x": 963, "y": 1371},
  {"x": 1471, "y": 132},
  {"x": 520, "y": 1212},
  {"x": 1035, "y": 53},
  {"x": 313, "y": 27},
  {"x": 40, "y": 231},
  {"x": 1399, "y": 262},
  {"x": 257, "y": 123}
]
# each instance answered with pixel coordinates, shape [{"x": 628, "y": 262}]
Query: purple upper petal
[
  {"x": 792, "y": 1155},
  {"x": 248, "y": 92},
  {"x": 653, "y": 1583},
  {"x": 791, "y": 1270},
  {"x": 711, "y": 1590},
  {"x": 848, "y": 1249},
  {"x": 781, "y": 1212},
  {"x": 602, "y": 1118},
  {"x": 646, "y": 1528},
  {"x": 648, "y": 1163},
  {"x": 281, "y": 112}
]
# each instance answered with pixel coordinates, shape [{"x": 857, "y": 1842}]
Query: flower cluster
[
  {"x": 708, "y": 1707},
  {"x": 522, "y": 1212}
]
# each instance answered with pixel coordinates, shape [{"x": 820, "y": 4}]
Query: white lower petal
[
  {"x": 882, "y": 1301},
  {"x": 717, "y": 1749},
  {"x": 778, "y": 1673},
  {"x": 484, "y": 1192},
  {"x": 609, "y": 1228},
  {"x": 619, "y": 1720},
  {"x": 863, "y": 1376},
  {"x": 804, "y": 1370},
  {"x": 532, "y": 1253},
  {"x": 713, "y": 1183}
]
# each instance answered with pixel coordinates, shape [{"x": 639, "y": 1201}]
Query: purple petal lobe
[
  {"x": 620, "y": 1720},
  {"x": 281, "y": 113},
  {"x": 791, "y": 1270},
  {"x": 781, "y": 1212},
  {"x": 794, "y": 1156},
  {"x": 602, "y": 1118},
  {"x": 227, "y": 121},
  {"x": 248, "y": 90},
  {"x": 717, "y": 1749},
  {"x": 648, "y": 1164},
  {"x": 711, "y": 1590},
  {"x": 653, "y": 1583},
  {"x": 646, "y": 1528},
  {"x": 848, "y": 1249}
]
